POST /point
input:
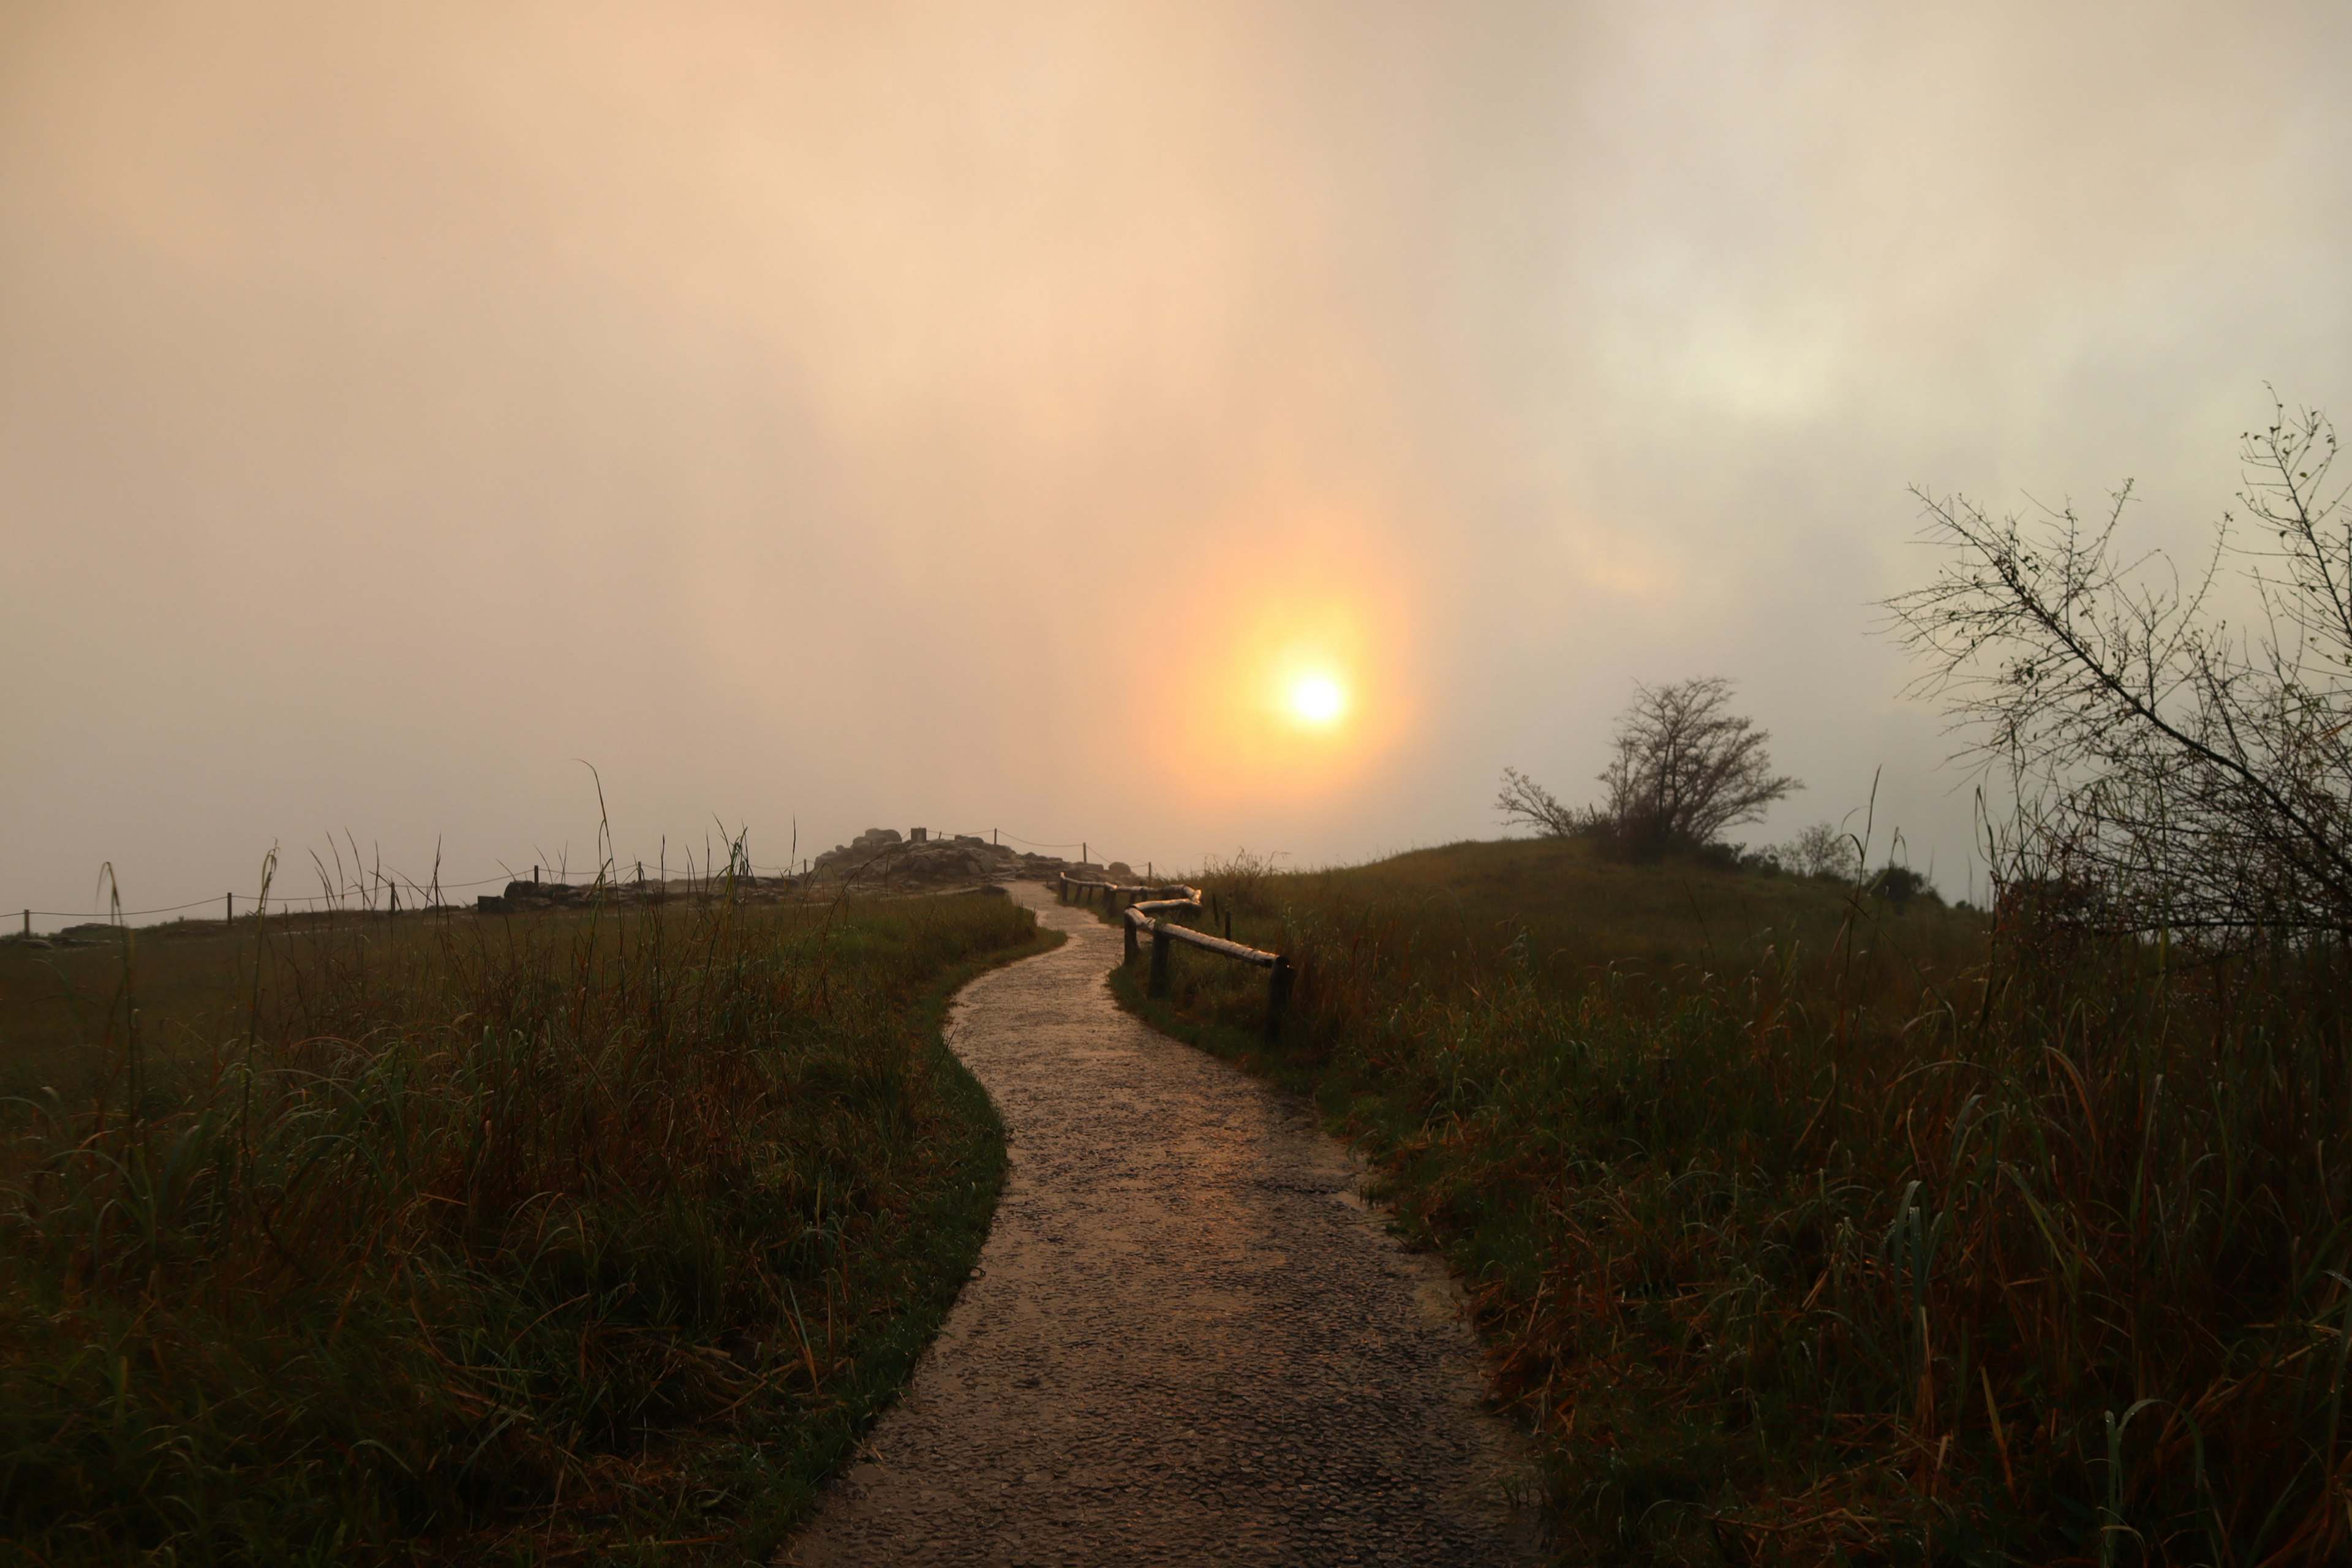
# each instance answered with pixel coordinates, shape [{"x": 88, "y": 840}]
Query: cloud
[{"x": 856, "y": 415}]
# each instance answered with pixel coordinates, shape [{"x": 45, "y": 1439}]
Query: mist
[{"x": 794, "y": 419}]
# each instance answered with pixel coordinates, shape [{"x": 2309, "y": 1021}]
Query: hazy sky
[{"x": 966, "y": 414}]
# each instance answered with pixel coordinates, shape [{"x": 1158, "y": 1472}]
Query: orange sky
[{"x": 973, "y": 415}]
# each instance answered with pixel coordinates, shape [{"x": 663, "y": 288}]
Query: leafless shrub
[
  {"x": 2197, "y": 776},
  {"x": 1822, "y": 850},
  {"x": 1524, "y": 803}
]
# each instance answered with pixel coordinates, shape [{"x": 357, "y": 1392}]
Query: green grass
[
  {"x": 1808, "y": 1232},
  {"x": 579, "y": 1237}
]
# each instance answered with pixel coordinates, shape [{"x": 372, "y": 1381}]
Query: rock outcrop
[
  {"x": 882, "y": 857},
  {"x": 878, "y": 860}
]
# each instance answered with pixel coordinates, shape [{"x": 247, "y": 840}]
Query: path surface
[{"x": 1187, "y": 1340}]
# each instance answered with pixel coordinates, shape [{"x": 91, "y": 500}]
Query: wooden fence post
[
  {"x": 1277, "y": 994},
  {"x": 228, "y": 908},
  {"x": 1128, "y": 926},
  {"x": 1159, "y": 960}
]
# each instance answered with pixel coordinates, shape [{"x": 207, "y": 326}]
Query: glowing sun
[{"x": 1317, "y": 700}]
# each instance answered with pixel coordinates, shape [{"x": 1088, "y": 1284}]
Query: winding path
[{"x": 1187, "y": 1341}]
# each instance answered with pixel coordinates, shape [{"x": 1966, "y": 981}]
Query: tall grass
[
  {"x": 591, "y": 1235},
  {"x": 1843, "y": 1237}
]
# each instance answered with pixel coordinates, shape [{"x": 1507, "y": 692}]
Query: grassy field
[
  {"x": 586, "y": 1236},
  {"x": 58, "y": 1005},
  {"x": 1811, "y": 1232}
]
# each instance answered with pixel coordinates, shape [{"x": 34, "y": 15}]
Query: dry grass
[
  {"x": 585, "y": 1235},
  {"x": 1814, "y": 1234}
]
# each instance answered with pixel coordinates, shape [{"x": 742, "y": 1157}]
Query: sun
[{"x": 1318, "y": 700}]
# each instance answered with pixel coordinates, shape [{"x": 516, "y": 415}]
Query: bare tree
[
  {"x": 1524, "y": 803},
  {"x": 1685, "y": 769},
  {"x": 2196, "y": 777},
  {"x": 1822, "y": 850}
]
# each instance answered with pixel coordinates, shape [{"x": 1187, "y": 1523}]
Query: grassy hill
[
  {"x": 1572, "y": 908},
  {"x": 1812, "y": 1231}
]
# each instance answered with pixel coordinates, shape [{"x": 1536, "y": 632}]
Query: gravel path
[{"x": 1187, "y": 1340}]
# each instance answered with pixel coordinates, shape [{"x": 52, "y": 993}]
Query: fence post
[
  {"x": 1128, "y": 926},
  {"x": 28, "y": 922},
  {"x": 1160, "y": 945},
  {"x": 228, "y": 908},
  {"x": 1278, "y": 994}
]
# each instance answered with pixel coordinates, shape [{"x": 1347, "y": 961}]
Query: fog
[{"x": 821, "y": 417}]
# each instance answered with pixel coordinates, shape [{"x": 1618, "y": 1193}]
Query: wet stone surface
[{"x": 1188, "y": 1341}]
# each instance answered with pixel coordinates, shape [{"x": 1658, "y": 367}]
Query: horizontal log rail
[
  {"x": 1203, "y": 941},
  {"x": 1153, "y": 908}
]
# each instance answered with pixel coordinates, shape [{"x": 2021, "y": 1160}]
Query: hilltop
[{"x": 1568, "y": 907}]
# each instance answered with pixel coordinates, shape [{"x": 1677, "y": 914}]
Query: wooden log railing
[{"x": 1153, "y": 908}]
